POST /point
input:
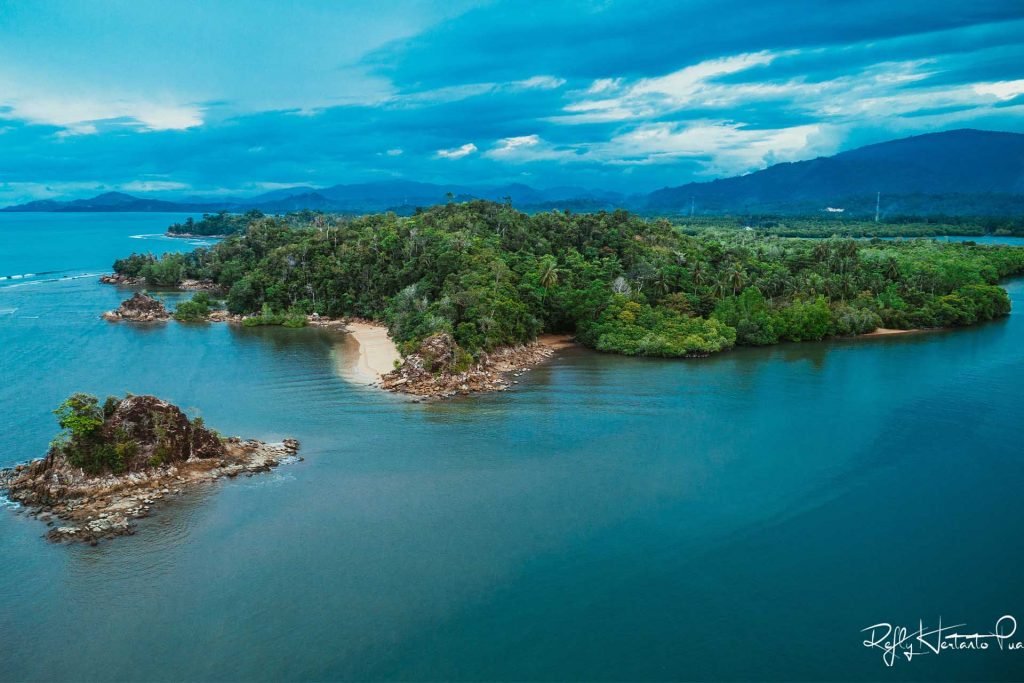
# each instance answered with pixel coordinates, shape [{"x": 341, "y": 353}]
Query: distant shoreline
[{"x": 192, "y": 236}]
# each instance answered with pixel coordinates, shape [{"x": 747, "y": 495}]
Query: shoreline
[
  {"x": 428, "y": 374},
  {"x": 888, "y": 332},
  {"x": 87, "y": 509},
  {"x": 368, "y": 353},
  {"x": 192, "y": 236}
]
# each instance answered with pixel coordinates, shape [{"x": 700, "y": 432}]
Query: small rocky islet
[
  {"x": 139, "y": 308},
  {"x": 115, "y": 461}
]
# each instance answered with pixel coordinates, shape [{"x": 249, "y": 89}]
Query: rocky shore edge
[
  {"x": 140, "y": 308},
  {"x": 434, "y": 372},
  {"x": 87, "y": 509},
  {"x": 185, "y": 285},
  {"x": 115, "y": 461}
]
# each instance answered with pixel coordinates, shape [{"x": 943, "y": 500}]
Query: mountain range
[{"x": 958, "y": 172}]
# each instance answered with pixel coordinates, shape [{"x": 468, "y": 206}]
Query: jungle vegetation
[{"x": 493, "y": 276}]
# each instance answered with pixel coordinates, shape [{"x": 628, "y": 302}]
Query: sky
[{"x": 221, "y": 98}]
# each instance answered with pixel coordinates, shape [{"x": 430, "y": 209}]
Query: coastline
[
  {"x": 888, "y": 332},
  {"x": 367, "y": 352},
  {"x": 192, "y": 236},
  {"x": 430, "y": 372},
  {"x": 83, "y": 508}
]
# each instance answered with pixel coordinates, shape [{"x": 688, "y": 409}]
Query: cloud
[
  {"x": 528, "y": 148},
  {"x": 1003, "y": 90},
  {"x": 722, "y": 148},
  {"x": 154, "y": 186},
  {"x": 457, "y": 152},
  {"x": 80, "y": 113},
  {"x": 615, "y": 94},
  {"x": 540, "y": 83}
]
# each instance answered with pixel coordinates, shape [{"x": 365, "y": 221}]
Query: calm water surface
[{"x": 740, "y": 517}]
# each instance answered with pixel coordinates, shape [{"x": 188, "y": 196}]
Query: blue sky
[{"x": 218, "y": 98}]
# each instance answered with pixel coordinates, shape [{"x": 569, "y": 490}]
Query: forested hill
[
  {"x": 493, "y": 276},
  {"x": 959, "y": 172}
]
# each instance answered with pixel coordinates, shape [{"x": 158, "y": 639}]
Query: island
[
  {"x": 114, "y": 461},
  {"x": 461, "y": 284}
]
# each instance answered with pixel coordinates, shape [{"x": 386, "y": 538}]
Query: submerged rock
[{"x": 141, "y": 308}]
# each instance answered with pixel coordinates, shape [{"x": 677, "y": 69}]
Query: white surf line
[{"x": 63, "y": 278}]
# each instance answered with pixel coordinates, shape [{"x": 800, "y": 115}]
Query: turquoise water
[{"x": 739, "y": 517}]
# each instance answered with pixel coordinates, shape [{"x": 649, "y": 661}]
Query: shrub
[
  {"x": 198, "y": 308},
  {"x": 292, "y": 318},
  {"x": 636, "y": 329}
]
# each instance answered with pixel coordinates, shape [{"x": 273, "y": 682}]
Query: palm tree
[
  {"x": 697, "y": 273},
  {"x": 548, "y": 273},
  {"x": 736, "y": 278}
]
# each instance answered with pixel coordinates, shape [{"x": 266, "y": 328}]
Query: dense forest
[
  {"x": 224, "y": 223},
  {"x": 493, "y": 276},
  {"x": 846, "y": 226}
]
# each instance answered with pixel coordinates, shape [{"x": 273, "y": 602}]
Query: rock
[
  {"x": 201, "y": 286},
  {"x": 140, "y": 308},
  {"x": 122, "y": 280},
  {"x": 161, "y": 451},
  {"x": 430, "y": 371}
]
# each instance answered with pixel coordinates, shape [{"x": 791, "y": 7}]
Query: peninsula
[{"x": 474, "y": 280}]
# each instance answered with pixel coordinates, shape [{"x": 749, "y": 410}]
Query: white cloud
[
  {"x": 1004, "y": 90},
  {"x": 603, "y": 85},
  {"x": 78, "y": 114},
  {"x": 723, "y": 147},
  {"x": 525, "y": 148},
  {"x": 691, "y": 80},
  {"x": 506, "y": 145},
  {"x": 457, "y": 152},
  {"x": 154, "y": 186},
  {"x": 394, "y": 152},
  {"x": 540, "y": 83},
  {"x": 691, "y": 86}
]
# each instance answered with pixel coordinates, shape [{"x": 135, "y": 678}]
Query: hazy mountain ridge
[
  {"x": 959, "y": 172},
  {"x": 968, "y": 171}
]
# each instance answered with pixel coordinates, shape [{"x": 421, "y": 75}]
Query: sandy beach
[
  {"x": 885, "y": 331},
  {"x": 367, "y": 352}
]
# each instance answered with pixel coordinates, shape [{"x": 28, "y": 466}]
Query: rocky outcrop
[
  {"x": 201, "y": 286},
  {"x": 184, "y": 285},
  {"x": 433, "y": 372},
  {"x": 122, "y": 280},
  {"x": 140, "y": 308},
  {"x": 151, "y": 451}
]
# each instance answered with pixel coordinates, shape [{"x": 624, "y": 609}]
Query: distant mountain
[
  {"x": 958, "y": 172},
  {"x": 115, "y": 201},
  {"x": 402, "y": 196},
  {"x": 955, "y": 172}
]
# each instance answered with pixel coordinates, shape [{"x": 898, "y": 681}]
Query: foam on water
[{"x": 62, "y": 278}]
